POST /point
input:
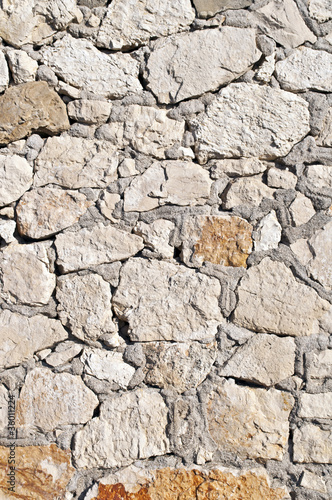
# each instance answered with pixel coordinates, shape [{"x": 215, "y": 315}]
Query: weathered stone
[
  {"x": 156, "y": 236},
  {"x": 312, "y": 482},
  {"x": 106, "y": 365},
  {"x": 23, "y": 68},
  {"x": 272, "y": 301},
  {"x": 107, "y": 204},
  {"x": 250, "y": 120},
  {"x": 131, "y": 426},
  {"x": 131, "y": 24},
  {"x": 86, "y": 111},
  {"x": 127, "y": 168},
  {"x": 301, "y": 209},
  {"x": 74, "y": 162},
  {"x": 40, "y": 472},
  {"x": 320, "y": 10},
  {"x": 264, "y": 359},
  {"x": 251, "y": 423},
  {"x": 50, "y": 400},
  {"x": 266, "y": 70},
  {"x": 281, "y": 179},
  {"x": 312, "y": 444},
  {"x": 64, "y": 353},
  {"x": 163, "y": 301},
  {"x": 325, "y": 136},
  {"x": 31, "y": 107},
  {"x": 320, "y": 266},
  {"x": 91, "y": 247},
  {"x": 306, "y": 69},
  {"x": 182, "y": 365},
  {"x": 7, "y": 229},
  {"x": 21, "y": 336},
  {"x": 315, "y": 405},
  {"x": 81, "y": 65},
  {"x": 319, "y": 366},
  {"x": 4, "y": 74},
  {"x": 268, "y": 233},
  {"x": 319, "y": 176},
  {"x": 207, "y": 66},
  {"x": 16, "y": 178},
  {"x": 247, "y": 191},
  {"x": 46, "y": 211},
  {"x": 208, "y": 8},
  {"x": 25, "y": 274},
  {"x": 3, "y": 408},
  {"x": 236, "y": 168}
]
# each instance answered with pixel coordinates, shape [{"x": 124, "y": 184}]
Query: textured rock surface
[
  {"x": 107, "y": 366},
  {"x": 312, "y": 444},
  {"x": 156, "y": 236},
  {"x": 23, "y": 68},
  {"x": 320, "y": 10},
  {"x": 320, "y": 266},
  {"x": 247, "y": 191},
  {"x": 268, "y": 233},
  {"x": 208, "y": 8},
  {"x": 16, "y": 178},
  {"x": 316, "y": 405},
  {"x": 85, "y": 111},
  {"x": 4, "y": 74}
]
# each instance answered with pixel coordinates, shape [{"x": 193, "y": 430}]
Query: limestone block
[
  {"x": 3, "y": 408},
  {"x": 16, "y": 178},
  {"x": 156, "y": 236},
  {"x": 89, "y": 112},
  {"x": 315, "y": 405},
  {"x": 236, "y": 168},
  {"x": 319, "y": 365},
  {"x": 302, "y": 251},
  {"x": 63, "y": 353},
  {"x": 268, "y": 233},
  {"x": 247, "y": 191},
  {"x": 312, "y": 444},
  {"x": 106, "y": 365},
  {"x": 107, "y": 204},
  {"x": 23, "y": 68},
  {"x": 301, "y": 210},
  {"x": 281, "y": 179},
  {"x": 208, "y": 8},
  {"x": 320, "y": 265},
  {"x": 313, "y": 482},
  {"x": 319, "y": 176}
]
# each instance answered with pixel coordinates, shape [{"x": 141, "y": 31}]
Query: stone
[
  {"x": 91, "y": 247},
  {"x": 251, "y": 121},
  {"x": 320, "y": 266},
  {"x": 264, "y": 359},
  {"x": 320, "y": 10},
  {"x": 16, "y": 178},
  {"x": 106, "y": 365},
  {"x": 51, "y": 400},
  {"x": 131, "y": 426},
  {"x": 247, "y": 191},
  {"x": 127, "y": 168},
  {"x": 26, "y": 275},
  {"x": 312, "y": 444},
  {"x": 251, "y": 423},
  {"x": 236, "y": 168},
  {"x": 28, "y": 107},
  {"x": 22, "y": 336},
  {"x": 169, "y": 182},
  {"x": 312, "y": 482},
  {"x": 302, "y": 210},
  {"x": 208, "y": 8},
  {"x": 305, "y": 69},
  {"x": 80, "y": 64},
  {"x": 46, "y": 211},
  {"x": 182, "y": 366},
  {"x": 319, "y": 365},
  {"x": 282, "y": 179},
  {"x": 74, "y": 163},
  {"x": 325, "y": 136},
  {"x": 315, "y": 405},
  {"x": 164, "y": 301},
  {"x": 266, "y": 70},
  {"x": 23, "y": 68},
  {"x": 107, "y": 204},
  {"x": 156, "y": 236},
  {"x": 3, "y": 408},
  {"x": 207, "y": 67},
  {"x": 319, "y": 176},
  {"x": 268, "y": 233},
  {"x": 4, "y": 73},
  {"x": 64, "y": 353},
  {"x": 132, "y": 24},
  {"x": 41, "y": 472},
  {"x": 7, "y": 230},
  {"x": 272, "y": 301},
  {"x": 90, "y": 112}
]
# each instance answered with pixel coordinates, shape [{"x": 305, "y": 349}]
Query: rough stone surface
[
  {"x": 312, "y": 444},
  {"x": 107, "y": 366},
  {"x": 208, "y": 8},
  {"x": 320, "y": 266},
  {"x": 156, "y": 236},
  {"x": 319, "y": 176},
  {"x": 23, "y": 68},
  {"x": 319, "y": 368},
  {"x": 7, "y": 229},
  {"x": 325, "y": 136},
  {"x": 85, "y": 111},
  {"x": 63, "y": 353},
  {"x": 247, "y": 191},
  {"x": 281, "y": 179},
  {"x": 16, "y": 178},
  {"x": 3, "y": 408},
  {"x": 313, "y": 482},
  {"x": 315, "y": 405},
  {"x": 301, "y": 210},
  {"x": 320, "y": 10},
  {"x": 4, "y": 74},
  {"x": 268, "y": 233},
  {"x": 236, "y": 168}
]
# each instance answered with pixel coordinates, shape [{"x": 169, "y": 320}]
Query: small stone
[
  {"x": 46, "y": 211},
  {"x": 312, "y": 444},
  {"x": 282, "y": 179},
  {"x": 268, "y": 233},
  {"x": 106, "y": 365},
  {"x": 31, "y": 107},
  {"x": 266, "y": 70},
  {"x": 209, "y": 8},
  {"x": 45, "y": 74},
  {"x": 8, "y": 212},
  {"x": 320, "y": 267},
  {"x": 60, "y": 357},
  {"x": 4, "y": 73},
  {"x": 325, "y": 136},
  {"x": 85, "y": 111},
  {"x": 302, "y": 251},
  {"x": 302, "y": 210},
  {"x": 236, "y": 168},
  {"x": 156, "y": 236},
  {"x": 107, "y": 204},
  {"x": 50, "y": 400},
  {"x": 315, "y": 405},
  {"x": 320, "y": 10},
  {"x": 16, "y": 178},
  {"x": 319, "y": 176},
  {"x": 320, "y": 365},
  {"x": 91, "y": 247},
  {"x": 3, "y": 408},
  {"x": 7, "y": 230},
  {"x": 127, "y": 168},
  {"x": 22, "y": 66},
  {"x": 247, "y": 191},
  {"x": 312, "y": 482}
]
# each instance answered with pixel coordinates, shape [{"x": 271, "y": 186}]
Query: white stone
[
  {"x": 213, "y": 58},
  {"x": 208, "y": 8},
  {"x": 164, "y": 301},
  {"x": 23, "y": 68},
  {"x": 268, "y": 233},
  {"x": 127, "y": 168},
  {"x": 320, "y": 266},
  {"x": 7, "y": 229},
  {"x": 106, "y": 365},
  {"x": 16, "y": 178},
  {"x": 4, "y": 73},
  {"x": 321, "y": 10},
  {"x": 325, "y": 136},
  {"x": 312, "y": 482},
  {"x": 266, "y": 70},
  {"x": 315, "y": 405},
  {"x": 107, "y": 204},
  {"x": 247, "y": 191},
  {"x": 156, "y": 236},
  {"x": 319, "y": 176},
  {"x": 3, "y": 408},
  {"x": 88, "y": 111},
  {"x": 64, "y": 353},
  {"x": 312, "y": 444},
  {"x": 320, "y": 366},
  {"x": 236, "y": 168},
  {"x": 251, "y": 121},
  {"x": 281, "y": 178},
  {"x": 302, "y": 251},
  {"x": 302, "y": 210}
]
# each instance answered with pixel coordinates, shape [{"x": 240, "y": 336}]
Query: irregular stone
[
  {"x": 50, "y": 400},
  {"x": 64, "y": 353},
  {"x": 74, "y": 162},
  {"x": 131, "y": 426},
  {"x": 106, "y": 365},
  {"x": 208, "y": 8},
  {"x": 320, "y": 266},
  {"x": 46, "y": 211},
  {"x": 3, "y": 408},
  {"x": 156, "y": 236},
  {"x": 247, "y": 191},
  {"x": 325, "y": 136},
  {"x": 236, "y": 168},
  {"x": 183, "y": 306},
  {"x": 131, "y": 24},
  {"x": 249, "y": 120},
  {"x": 4, "y": 74},
  {"x": 281, "y": 179},
  {"x": 320, "y": 10},
  {"x": 23, "y": 68},
  {"x": 301, "y": 210},
  {"x": 312, "y": 444},
  {"x": 319, "y": 365},
  {"x": 266, "y": 70},
  {"x": 31, "y": 107},
  {"x": 319, "y": 176},
  {"x": 25, "y": 274},
  {"x": 272, "y": 301},
  {"x": 41, "y": 472},
  {"x": 251, "y": 423},
  {"x": 207, "y": 67},
  {"x": 107, "y": 204},
  {"x": 86, "y": 111},
  {"x": 306, "y": 69},
  {"x": 315, "y": 405},
  {"x": 7, "y": 229},
  {"x": 268, "y": 233},
  {"x": 264, "y": 359},
  {"x": 21, "y": 336},
  {"x": 16, "y": 178},
  {"x": 91, "y": 247},
  {"x": 182, "y": 366},
  {"x": 81, "y": 65},
  {"x": 127, "y": 168},
  {"x": 312, "y": 482}
]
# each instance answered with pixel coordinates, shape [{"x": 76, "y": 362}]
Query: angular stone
[
  {"x": 319, "y": 176},
  {"x": 302, "y": 210},
  {"x": 208, "y": 8},
  {"x": 236, "y": 168},
  {"x": 91, "y": 247},
  {"x": 127, "y": 168},
  {"x": 21, "y": 337},
  {"x": 156, "y": 236},
  {"x": 312, "y": 482},
  {"x": 302, "y": 251},
  {"x": 86, "y": 111},
  {"x": 182, "y": 366},
  {"x": 106, "y": 365},
  {"x": 251, "y": 423},
  {"x": 320, "y": 265},
  {"x": 315, "y": 405},
  {"x": 74, "y": 162},
  {"x": 319, "y": 365},
  {"x": 268, "y": 233},
  {"x": 207, "y": 66},
  {"x": 46, "y": 211},
  {"x": 4, "y": 73},
  {"x": 264, "y": 359},
  {"x": 23, "y": 68},
  {"x": 131, "y": 24},
  {"x": 325, "y": 136},
  {"x": 247, "y": 191},
  {"x": 272, "y": 301},
  {"x": 306, "y": 69},
  {"x": 41, "y": 472},
  {"x": 64, "y": 353},
  {"x": 7, "y": 229},
  {"x": 107, "y": 204},
  {"x": 312, "y": 444},
  {"x": 3, "y": 409},
  {"x": 25, "y": 274},
  {"x": 164, "y": 301},
  {"x": 252, "y": 121},
  {"x": 266, "y": 70},
  {"x": 281, "y": 179},
  {"x": 131, "y": 426},
  {"x": 16, "y": 178},
  {"x": 320, "y": 10},
  {"x": 81, "y": 65}
]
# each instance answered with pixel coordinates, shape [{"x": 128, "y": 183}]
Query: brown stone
[
  {"x": 42, "y": 472},
  {"x": 31, "y": 107}
]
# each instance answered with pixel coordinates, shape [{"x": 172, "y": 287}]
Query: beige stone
[
  {"x": 315, "y": 405},
  {"x": 302, "y": 251},
  {"x": 23, "y": 68},
  {"x": 247, "y": 191},
  {"x": 320, "y": 365},
  {"x": 7, "y": 229},
  {"x": 127, "y": 168},
  {"x": 63, "y": 353},
  {"x": 325, "y": 136},
  {"x": 302, "y": 210},
  {"x": 266, "y": 69},
  {"x": 107, "y": 204},
  {"x": 156, "y": 236},
  {"x": 283, "y": 179},
  {"x": 16, "y": 178},
  {"x": 319, "y": 176},
  {"x": 320, "y": 265},
  {"x": 312, "y": 444},
  {"x": 106, "y": 365},
  {"x": 268, "y": 233},
  {"x": 312, "y": 482},
  {"x": 236, "y": 168},
  {"x": 89, "y": 112},
  {"x": 4, "y": 73},
  {"x": 208, "y": 8},
  {"x": 320, "y": 10}
]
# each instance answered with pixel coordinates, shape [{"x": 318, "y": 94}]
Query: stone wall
[{"x": 166, "y": 249}]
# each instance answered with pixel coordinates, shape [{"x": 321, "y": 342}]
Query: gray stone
[
  {"x": 312, "y": 444},
  {"x": 320, "y": 267},
  {"x": 106, "y": 365},
  {"x": 16, "y": 178},
  {"x": 23, "y": 68},
  {"x": 208, "y": 8}
]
